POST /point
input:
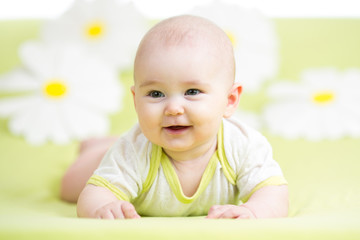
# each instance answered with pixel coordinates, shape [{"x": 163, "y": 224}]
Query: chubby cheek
[
  {"x": 149, "y": 118},
  {"x": 207, "y": 120},
  {"x": 207, "y": 113}
]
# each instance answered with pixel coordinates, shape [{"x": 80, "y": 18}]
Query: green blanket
[{"x": 323, "y": 176}]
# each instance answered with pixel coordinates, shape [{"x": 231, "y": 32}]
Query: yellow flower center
[
  {"x": 55, "y": 88},
  {"x": 323, "y": 97},
  {"x": 232, "y": 38},
  {"x": 95, "y": 29}
]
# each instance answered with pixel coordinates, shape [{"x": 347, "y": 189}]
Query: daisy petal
[
  {"x": 37, "y": 58},
  {"x": 84, "y": 123},
  {"x": 17, "y": 80},
  {"x": 12, "y": 106},
  {"x": 57, "y": 130},
  {"x": 27, "y": 123},
  {"x": 39, "y": 123},
  {"x": 108, "y": 101}
]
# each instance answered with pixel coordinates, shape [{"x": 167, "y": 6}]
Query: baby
[{"x": 186, "y": 156}]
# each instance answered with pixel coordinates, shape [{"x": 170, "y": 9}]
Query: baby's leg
[{"x": 90, "y": 154}]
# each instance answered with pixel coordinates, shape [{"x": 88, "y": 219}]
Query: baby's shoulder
[
  {"x": 132, "y": 149},
  {"x": 239, "y": 132},
  {"x": 241, "y": 141}
]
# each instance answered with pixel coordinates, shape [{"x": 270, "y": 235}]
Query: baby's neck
[{"x": 190, "y": 170}]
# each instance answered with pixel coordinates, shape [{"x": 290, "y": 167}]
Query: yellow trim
[
  {"x": 174, "y": 182},
  {"x": 271, "y": 181},
  {"x": 227, "y": 169},
  {"x": 157, "y": 156},
  {"x": 102, "y": 182},
  {"x": 156, "y": 153}
]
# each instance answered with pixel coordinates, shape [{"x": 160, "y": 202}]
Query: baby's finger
[
  {"x": 117, "y": 213},
  {"x": 230, "y": 213},
  {"x": 106, "y": 214},
  {"x": 244, "y": 216},
  {"x": 216, "y": 211},
  {"x": 129, "y": 210},
  {"x": 244, "y": 213},
  {"x": 237, "y": 213}
]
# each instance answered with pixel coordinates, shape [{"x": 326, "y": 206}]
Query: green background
[{"x": 323, "y": 176}]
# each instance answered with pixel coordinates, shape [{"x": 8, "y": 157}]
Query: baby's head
[
  {"x": 197, "y": 34},
  {"x": 184, "y": 83}
]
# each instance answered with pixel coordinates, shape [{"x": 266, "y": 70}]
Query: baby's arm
[
  {"x": 90, "y": 154},
  {"x": 267, "y": 202},
  {"x": 99, "y": 202}
]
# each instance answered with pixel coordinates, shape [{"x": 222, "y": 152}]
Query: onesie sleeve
[
  {"x": 252, "y": 158},
  {"x": 123, "y": 167}
]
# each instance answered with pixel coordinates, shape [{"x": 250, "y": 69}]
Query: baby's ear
[
  {"x": 233, "y": 100},
  {"x": 133, "y": 93}
]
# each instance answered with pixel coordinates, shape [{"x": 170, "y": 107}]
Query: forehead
[
  {"x": 189, "y": 45},
  {"x": 184, "y": 61},
  {"x": 180, "y": 67}
]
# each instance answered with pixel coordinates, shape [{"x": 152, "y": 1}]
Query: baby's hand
[
  {"x": 117, "y": 210},
  {"x": 230, "y": 211}
]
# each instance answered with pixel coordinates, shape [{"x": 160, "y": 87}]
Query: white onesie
[{"x": 138, "y": 171}]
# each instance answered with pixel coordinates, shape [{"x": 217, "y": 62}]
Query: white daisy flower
[
  {"x": 323, "y": 105},
  {"x": 254, "y": 40},
  {"x": 107, "y": 28},
  {"x": 68, "y": 94}
]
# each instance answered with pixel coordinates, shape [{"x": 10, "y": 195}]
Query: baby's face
[{"x": 180, "y": 96}]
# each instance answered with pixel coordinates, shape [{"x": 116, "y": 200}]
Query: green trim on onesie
[
  {"x": 102, "y": 182},
  {"x": 227, "y": 169},
  {"x": 155, "y": 158},
  {"x": 271, "y": 181},
  {"x": 174, "y": 182}
]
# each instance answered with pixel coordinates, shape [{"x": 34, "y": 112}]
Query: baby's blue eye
[
  {"x": 156, "y": 94},
  {"x": 192, "y": 92}
]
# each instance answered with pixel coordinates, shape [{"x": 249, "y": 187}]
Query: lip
[{"x": 176, "y": 129}]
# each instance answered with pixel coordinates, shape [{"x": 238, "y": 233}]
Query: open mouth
[{"x": 177, "y": 129}]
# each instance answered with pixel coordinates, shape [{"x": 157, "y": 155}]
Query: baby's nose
[{"x": 174, "y": 107}]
